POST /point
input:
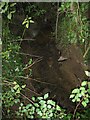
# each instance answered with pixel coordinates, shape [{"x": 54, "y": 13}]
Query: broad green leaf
[
  {"x": 18, "y": 91},
  {"x": 30, "y": 61},
  {"x": 27, "y": 25},
  {"x": 21, "y": 104},
  {"x": 40, "y": 98},
  {"x": 13, "y": 11},
  {"x": 33, "y": 98},
  {"x": 13, "y": 4},
  {"x": 76, "y": 90},
  {"x": 49, "y": 101},
  {"x": 2, "y": 5},
  {"x": 29, "y": 105},
  {"x": 88, "y": 90},
  {"x": 23, "y": 86},
  {"x": 89, "y": 85},
  {"x": 58, "y": 108},
  {"x": 52, "y": 103},
  {"x": 31, "y": 21},
  {"x": 16, "y": 87},
  {"x": 82, "y": 88},
  {"x": 42, "y": 102},
  {"x": 84, "y": 83},
  {"x": 49, "y": 106},
  {"x": 87, "y": 73},
  {"x": 36, "y": 105},
  {"x": 73, "y": 100},
  {"x": 9, "y": 16},
  {"x": 46, "y": 95},
  {"x": 78, "y": 99},
  {"x": 72, "y": 95},
  {"x": 84, "y": 103},
  {"x": 17, "y": 100}
]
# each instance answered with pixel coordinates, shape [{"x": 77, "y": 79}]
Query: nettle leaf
[
  {"x": 46, "y": 96},
  {"x": 84, "y": 83}
]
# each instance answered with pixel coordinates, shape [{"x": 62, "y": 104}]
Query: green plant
[
  {"x": 27, "y": 21},
  {"x": 7, "y": 8},
  {"x": 81, "y": 94},
  {"x": 74, "y": 25},
  {"x": 12, "y": 95},
  {"x": 42, "y": 107}
]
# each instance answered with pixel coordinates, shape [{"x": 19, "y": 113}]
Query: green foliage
[
  {"x": 42, "y": 107},
  {"x": 74, "y": 25},
  {"x": 8, "y": 8},
  {"x": 12, "y": 95},
  {"x": 12, "y": 66},
  {"x": 27, "y": 21},
  {"x": 35, "y": 10},
  {"x": 81, "y": 94}
]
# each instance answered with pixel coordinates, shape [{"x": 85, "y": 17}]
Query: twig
[
  {"x": 36, "y": 61},
  {"x": 42, "y": 82},
  {"x": 28, "y": 54},
  {"x": 27, "y": 98},
  {"x": 77, "y": 107},
  {"x": 86, "y": 51},
  {"x": 22, "y": 40},
  {"x": 56, "y": 31},
  {"x": 35, "y": 80},
  {"x": 32, "y": 91}
]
